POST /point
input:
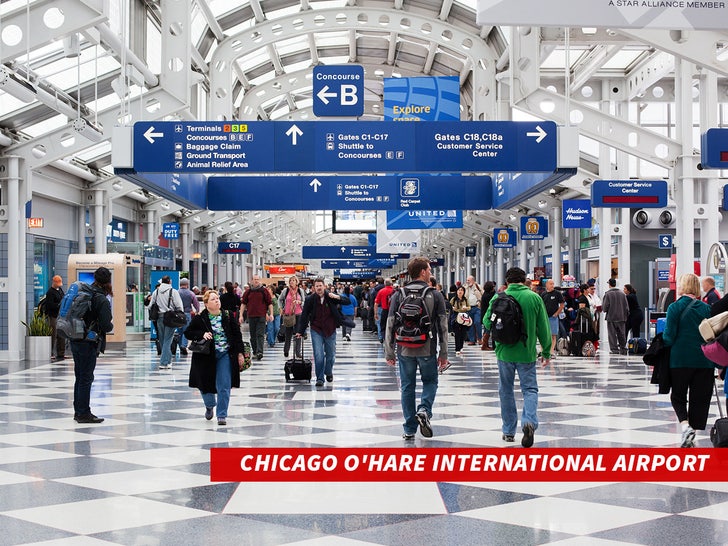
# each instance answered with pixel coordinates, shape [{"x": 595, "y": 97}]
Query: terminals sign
[{"x": 338, "y": 90}]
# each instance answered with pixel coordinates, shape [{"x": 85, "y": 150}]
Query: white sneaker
[
  {"x": 457, "y": 353},
  {"x": 688, "y": 437}
]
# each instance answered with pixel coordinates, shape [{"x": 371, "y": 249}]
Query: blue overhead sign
[
  {"x": 357, "y": 273},
  {"x": 348, "y": 192},
  {"x": 382, "y": 262},
  {"x": 345, "y": 252},
  {"x": 425, "y": 219},
  {"x": 188, "y": 190},
  {"x": 511, "y": 189},
  {"x": 340, "y": 146},
  {"x": 576, "y": 214},
  {"x": 629, "y": 193},
  {"x": 338, "y": 90},
  {"x": 504, "y": 238},
  {"x": 534, "y": 228},
  {"x": 424, "y": 98},
  {"x": 470, "y": 251},
  {"x": 170, "y": 230},
  {"x": 234, "y": 248},
  {"x": 714, "y": 149},
  {"x": 345, "y": 264}
]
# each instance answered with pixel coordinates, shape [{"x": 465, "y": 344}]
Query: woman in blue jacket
[{"x": 691, "y": 373}]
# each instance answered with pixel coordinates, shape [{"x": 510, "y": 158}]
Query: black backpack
[
  {"x": 412, "y": 321},
  {"x": 506, "y": 319}
]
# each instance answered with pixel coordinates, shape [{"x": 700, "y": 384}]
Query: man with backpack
[
  {"x": 381, "y": 306},
  {"x": 53, "y": 299},
  {"x": 417, "y": 321},
  {"x": 516, "y": 318},
  {"x": 167, "y": 299},
  {"x": 258, "y": 305},
  {"x": 97, "y": 319}
]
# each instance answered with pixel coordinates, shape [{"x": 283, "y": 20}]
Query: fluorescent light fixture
[
  {"x": 86, "y": 130},
  {"x": 20, "y": 89}
]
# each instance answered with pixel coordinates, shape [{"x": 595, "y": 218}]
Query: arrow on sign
[
  {"x": 294, "y": 132},
  {"x": 343, "y": 249},
  {"x": 150, "y": 135},
  {"x": 315, "y": 183},
  {"x": 539, "y": 133},
  {"x": 324, "y": 96}
]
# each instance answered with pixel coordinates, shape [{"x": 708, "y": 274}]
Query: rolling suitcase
[
  {"x": 719, "y": 432},
  {"x": 298, "y": 369},
  {"x": 636, "y": 346}
]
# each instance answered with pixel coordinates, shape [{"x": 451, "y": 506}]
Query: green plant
[{"x": 38, "y": 325}]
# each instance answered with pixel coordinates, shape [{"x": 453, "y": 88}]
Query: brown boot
[{"x": 484, "y": 346}]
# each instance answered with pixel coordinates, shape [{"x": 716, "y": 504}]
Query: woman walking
[
  {"x": 291, "y": 304},
  {"x": 691, "y": 374},
  {"x": 636, "y": 315},
  {"x": 461, "y": 324},
  {"x": 218, "y": 371}
]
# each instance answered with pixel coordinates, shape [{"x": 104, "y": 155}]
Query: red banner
[{"x": 467, "y": 465}]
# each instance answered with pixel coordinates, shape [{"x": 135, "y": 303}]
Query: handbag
[
  {"x": 247, "y": 360},
  {"x": 154, "y": 310},
  {"x": 710, "y": 327},
  {"x": 289, "y": 321},
  {"x": 464, "y": 319},
  {"x": 201, "y": 346},
  {"x": 174, "y": 318}
]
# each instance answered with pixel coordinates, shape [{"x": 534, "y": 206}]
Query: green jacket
[
  {"x": 682, "y": 334},
  {"x": 537, "y": 326}
]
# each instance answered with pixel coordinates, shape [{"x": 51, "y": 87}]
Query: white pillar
[
  {"x": 81, "y": 229},
  {"x": 209, "y": 280},
  {"x": 16, "y": 269},
  {"x": 499, "y": 269},
  {"x": 458, "y": 269},
  {"x": 556, "y": 246},
  {"x": 682, "y": 181},
  {"x": 150, "y": 231},
  {"x": 523, "y": 255},
  {"x": 482, "y": 274},
  {"x": 99, "y": 225},
  {"x": 709, "y": 232},
  {"x": 184, "y": 231}
]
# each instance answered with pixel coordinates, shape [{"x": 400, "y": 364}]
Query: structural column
[
  {"x": 482, "y": 273},
  {"x": 16, "y": 269},
  {"x": 556, "y": 246},
  {"x": 184, "y": 232},
  {"x": 209, "y": 281},
  {"x": 683, "y": 182},
  {"x": 709, "y": 232},
  {"x": 150, "y": 231},
  {"x": 499, "y": 269}
]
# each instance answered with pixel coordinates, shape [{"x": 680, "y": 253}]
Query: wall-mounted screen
[{"x": 354, "y": 221}]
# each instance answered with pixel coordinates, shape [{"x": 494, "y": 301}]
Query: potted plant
[{"x": 38, "y": 340}]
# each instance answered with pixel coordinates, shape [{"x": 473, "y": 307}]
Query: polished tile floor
[{"x": 142, "y": 477}]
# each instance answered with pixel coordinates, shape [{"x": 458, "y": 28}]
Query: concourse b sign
[{"x": 338, "y": 90}]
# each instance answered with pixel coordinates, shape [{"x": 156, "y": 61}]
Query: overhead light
[
  {"x": 117, "y": 186},
  {"x": 197, "y": 219},
  {"x": 20, "y": 89},
  {"x": 165, "y": 205},
  {"x": 85, "y": 129},
  {"x": 512, "y": 217},
  {"x": 542, "y": 204}
]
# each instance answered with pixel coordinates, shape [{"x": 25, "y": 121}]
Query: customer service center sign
[{"x": 665, "y": 14}]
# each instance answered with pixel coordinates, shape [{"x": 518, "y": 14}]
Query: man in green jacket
[{"x": 521, "y": 357}]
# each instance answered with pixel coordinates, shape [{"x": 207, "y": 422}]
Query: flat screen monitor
[{"x": 354, "y": 221}]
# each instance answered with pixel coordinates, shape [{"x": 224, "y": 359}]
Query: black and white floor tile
[{"x": 142, "y": 476}]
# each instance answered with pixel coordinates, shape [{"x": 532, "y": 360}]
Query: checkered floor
[{"x": 142, "y": 477}]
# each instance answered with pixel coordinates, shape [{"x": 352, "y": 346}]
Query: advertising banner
[
  {"x": 424, "y": 219},
  {"x": 534, "y": 227},
  {"x": 672, "y": 15},
  {"x": 396, "y": 241},
  {"x": 427, "y": 98}
]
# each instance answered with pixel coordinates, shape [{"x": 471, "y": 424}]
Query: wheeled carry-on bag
[
  {"x": 298, "y": 369},
  {"x": 719, "y": 432}
]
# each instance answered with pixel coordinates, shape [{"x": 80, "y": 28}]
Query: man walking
[
  {"x": 189, "y": 303},
  {"x": 554, "y": 302},
  {"x": 85, "y": 351},
  {"x": 167, "y": 299},
  {"x": 321, "y": 309},
  {"x": 259, "y": 306},
  {"x": 520, "y": 356},
  {"x": 426, "y": 356},
  {"x": 381, "y": 306},
  {"x": 473, "y": 293},
  {"x": 53, "y": 306},
  {"x": 616, "y": 309}
]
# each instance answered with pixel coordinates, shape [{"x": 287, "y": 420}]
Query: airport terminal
[{"x": 218, "y": 146}]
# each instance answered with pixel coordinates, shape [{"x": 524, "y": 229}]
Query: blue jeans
[
  {"x": 84, "y": 364},
  {"x": 181, "y": 329},
  {"x": 378, "y": 318},
  {"x": 272, "y": 329},
  {"x": 223, "y": 382},
  {"x": 324, "y": 353},
  {"x": 529, "y": 388},
  {"x": 477, "y": 327},
  {"x": 408, "y": 379},
  {"x": 164, "y": 334}
]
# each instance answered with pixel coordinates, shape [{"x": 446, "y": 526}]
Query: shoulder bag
[
  {"x": 154, "y": 308},
  {"x": 174, "y": 318}
]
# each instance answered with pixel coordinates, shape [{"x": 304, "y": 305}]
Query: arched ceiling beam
[{"x": 464, "y": 41}]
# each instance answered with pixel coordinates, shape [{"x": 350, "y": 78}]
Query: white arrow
[
  {"x": 540, "y": 133},
  {"x": 294, "y": 132},
  {"x": 343, "y": 249},
  {"x": 150, "y": 135},
  {"x": 315, "y": 183},
  {"x": 323, "y": 95}
]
